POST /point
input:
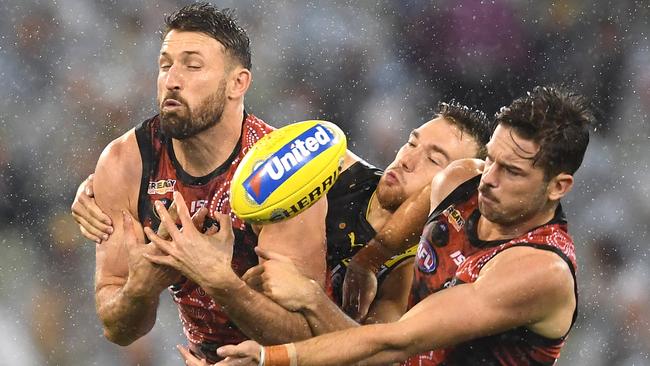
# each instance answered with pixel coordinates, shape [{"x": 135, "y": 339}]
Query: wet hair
[
  {"x": 557, "y": 120},
  {"x": 218, "y": 24},
  {"x": 471, "y": 121}
]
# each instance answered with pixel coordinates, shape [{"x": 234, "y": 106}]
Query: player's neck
[
  {"x": 377, "y": 216},
  {"x": 201, "y": 154},
  {"x": 488, "y": 230}
]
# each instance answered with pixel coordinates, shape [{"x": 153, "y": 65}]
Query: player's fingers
[
  {"x": 89, "y": 236},
  {"x": 253, "y": 272},
  {"x": 350, "y": 299},
  {"x": 85, "y": 205},
  {"x": 167, "y": 221},
  {"x": 225, "y": 225},
  {"x": 97, "y": 215},
  {"x": 160, "y": 243},
  {"x": 163, "y": 260},
  {"x": 189, "y": 358},
  {"x": 364, "y": 306},
  {"x": 93, "y": 232},
  {"x": 198, "y": 219},
  {"x": 183, "y": 212},
  {"x": 173, "y": 211},
  {"x": 250, "y": 349},
  {"x": 212, "y": 230},
  {"x": 88, "y": 189}
]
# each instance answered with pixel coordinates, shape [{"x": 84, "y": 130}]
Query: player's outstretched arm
[
  {"x": 540, "y": 297},
  {"x": 127, "y": 286}
]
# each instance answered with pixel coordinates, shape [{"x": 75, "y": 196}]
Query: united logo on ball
[{"x": 287, "y": 171}]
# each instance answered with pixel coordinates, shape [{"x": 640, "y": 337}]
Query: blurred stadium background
[{"x": 78, "y": 73}]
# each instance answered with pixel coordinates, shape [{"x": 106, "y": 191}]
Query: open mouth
[{"x": 172, "y": 103}]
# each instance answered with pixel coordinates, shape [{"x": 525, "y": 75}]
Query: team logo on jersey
[
  {"x": 162, "y": 186},
  {"x": 271, "y": 173},
  {"x": 426, "y": 259},
  {"x": 454, "y": 217}
]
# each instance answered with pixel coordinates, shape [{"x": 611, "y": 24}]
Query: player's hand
[
  {"x": 204, "y": 258},
  {"x": 359, "y": 290},
  {"x": 190, "y": 359},
  {"x": 281, "y": 281},
  {"x": 246, "y": 353},
  {"x": 93, "y": 223},
  {"x": 145, "y": 278}
]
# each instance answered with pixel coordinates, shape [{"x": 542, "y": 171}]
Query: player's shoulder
[
  {"x": 544, "y": 268},
  {"x": 452, "y": 177},
  {"x": 121, "y": 151}
]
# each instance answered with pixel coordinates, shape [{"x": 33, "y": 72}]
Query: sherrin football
[{"x": 287, "y": 171}]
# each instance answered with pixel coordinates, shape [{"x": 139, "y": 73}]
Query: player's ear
[
  {"x": 240, "y": 81},
  {"x": 559, "y": 186}
]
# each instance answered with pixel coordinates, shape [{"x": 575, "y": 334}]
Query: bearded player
[{"x": 188, "y": 153}]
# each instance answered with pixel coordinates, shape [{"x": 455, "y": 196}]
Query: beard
[
  {"x": 184, "y": 123},
  {"x": 390, "y": 198}
]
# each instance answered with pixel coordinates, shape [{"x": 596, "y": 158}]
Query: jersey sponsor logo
[
  {"x": 307, "y": 200},
  {"x": 196, "y": 205},
  {"x": 161, "y": 187},
  {"x": 454, "y": 217},
  {"x": 275, "y": 170},
  {"x": 457, "y": 257},
  {"x": 426, "y": 259}
]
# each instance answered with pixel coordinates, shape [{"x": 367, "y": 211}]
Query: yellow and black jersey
[{"x": 348, "y": 229}]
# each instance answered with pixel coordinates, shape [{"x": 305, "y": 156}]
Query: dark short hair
[
  {"x": 557, "y": 120},
  {"x": 219, "y": 24},
  {"x": 468, "y": 120}
]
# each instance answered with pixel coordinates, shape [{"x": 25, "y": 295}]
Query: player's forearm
[
  {"x": 324, "y": 316},
  {"x": 257, "y": 316},
  {"x": 125, "y": 318},
  {"x": 375, "y": 344}
]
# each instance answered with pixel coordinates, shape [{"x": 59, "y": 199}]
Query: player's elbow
[
  {"x": 117, "y": 337},
  {"x": 116, "y": 332}
]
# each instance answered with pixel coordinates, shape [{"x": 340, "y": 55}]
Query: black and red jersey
[
  {"x": 204, "y": 323},
  {"x": 450, "y": 253}
]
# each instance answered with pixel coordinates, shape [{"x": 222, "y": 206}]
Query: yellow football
[{"x": 287, "y": 171}]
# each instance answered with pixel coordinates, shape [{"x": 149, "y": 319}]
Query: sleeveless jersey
[
  {"x": 204, "y": 323},
  {"x": 347, "y": 227},
  {"x": 450, "y": 253}
]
